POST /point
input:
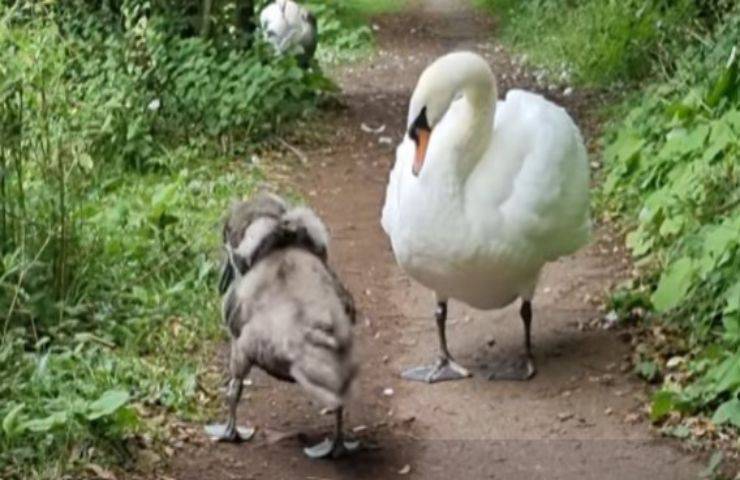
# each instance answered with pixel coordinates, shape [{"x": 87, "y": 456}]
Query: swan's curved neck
[
  {"x": 469, "y": 122},
  {"x": 477, "y": 130}
]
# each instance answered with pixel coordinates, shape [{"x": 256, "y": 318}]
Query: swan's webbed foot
[
  {"x": 225, "y": 432},
  {"x": 332, "y": 448},
  {"x": 522, "y": 368},
  {"x": 444, "y": 369},
  {"x": 336, "y": 447},
  {"x": 229, "y": 432}
]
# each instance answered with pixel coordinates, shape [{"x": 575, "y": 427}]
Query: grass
[
  {"x": 344, "y": 33},
  {"x": 156, "y": 329},
  {"x": 593, "y": 43},
  {"x": 368, "y": 8}
]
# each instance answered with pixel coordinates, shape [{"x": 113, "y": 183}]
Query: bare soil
[{"x": 579, "y": 418}]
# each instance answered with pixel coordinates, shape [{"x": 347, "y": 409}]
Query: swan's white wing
[
  {"x": 293, "y": 13},
  {"x": 274, "y": 26},
  {"x": 401, "y": 169},
  {"x": 548, "y": 200}
]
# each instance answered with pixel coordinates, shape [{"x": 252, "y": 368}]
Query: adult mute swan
[
  {"x": 482, "y": 195},
  {"x": 286, "y": 310},
  {"x": 289, "y": 26}
]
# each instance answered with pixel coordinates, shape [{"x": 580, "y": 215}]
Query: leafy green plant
[
  {"x": 121, "y": 135},
  {"x": 672, "y": 174},
  {"x": 596, "y": 42}
]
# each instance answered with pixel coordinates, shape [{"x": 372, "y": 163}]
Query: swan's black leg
[
  {"x": 526, "y": 313},
  {"x": 336, "y": 447},
  {"x": 445, "y": 368},
  {"x": 229, "y": 432},
  {"x": 522, "y": 368},
  {"x": 440, "y": 315}
]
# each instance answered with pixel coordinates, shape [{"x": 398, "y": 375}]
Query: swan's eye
[{"x": 414, "y": 134}]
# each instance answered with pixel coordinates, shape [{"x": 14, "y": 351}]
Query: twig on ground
[{"x": 302, "y": 157}]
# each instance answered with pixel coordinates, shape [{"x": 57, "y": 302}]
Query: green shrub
[
  {"x": 118, "y": 133},
  {"x": 595, "y": 42},
  {"x": 79, "y": 111},
  {"x": 344, "y": 34},
  {"x": 673, "y": 175}
]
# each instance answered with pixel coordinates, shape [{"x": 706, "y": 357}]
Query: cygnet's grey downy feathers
[
  {"x": 286, "y": 310},
  {"x": 241, "y": 215}
]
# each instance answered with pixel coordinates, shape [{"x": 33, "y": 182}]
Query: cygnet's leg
[
  {"x": 445, "y": 368},
  {"x": 520, "y": 368},
  {"x": 336, "y": 447},
  {"x": 229, "y": 432}
]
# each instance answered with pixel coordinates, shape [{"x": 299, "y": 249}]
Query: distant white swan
[
  {"x": 482, "y": 195},
  {"x": 289, "y": 26}
]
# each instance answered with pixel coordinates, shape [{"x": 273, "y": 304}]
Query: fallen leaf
[
  {"x": 408, "y": 420},
  {"x": 564, "y": 416},
  {"x": 100, "y": 472},
  {"x": 674, "y": 362},
  {"x": 149, "y": 458},
  {"x": 276, "y": 436},
  {"x": 368, "y": 129},
  {"x": 632, "y": 418}
]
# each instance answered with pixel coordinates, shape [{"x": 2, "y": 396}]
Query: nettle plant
[{"x": 673, "y": 172}]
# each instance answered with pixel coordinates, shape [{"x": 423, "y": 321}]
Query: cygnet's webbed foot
[
  {"x": 521, "y": 368},
  {"x": 443, "y": 370},
  {"x": 224, "y": 432},
  {"x": 332, "y": 448}
]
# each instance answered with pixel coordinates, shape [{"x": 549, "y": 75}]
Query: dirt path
[{"x": 567, "y": 423}]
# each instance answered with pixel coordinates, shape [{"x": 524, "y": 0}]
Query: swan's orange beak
[{"x": 421, "y": 150}]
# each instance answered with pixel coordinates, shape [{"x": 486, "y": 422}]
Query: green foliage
[
  {"x": 344, "y": 34},
  {"x": 148, "y": 277},
  {"x": 595, "y": 42},
  {"x": 673, "y": 176},
  {"x": 363, "y": 9},
  {"x": 119, "y": 130},
  {"x": 728, "y": 412}
]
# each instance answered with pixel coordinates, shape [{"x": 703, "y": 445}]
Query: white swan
[
  {"x": 482, "y": 195},
  {"x": 288, "y": 26}
]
